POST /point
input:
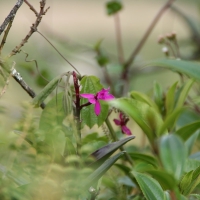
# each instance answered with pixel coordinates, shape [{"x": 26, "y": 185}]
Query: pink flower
[
  {"x": 94, "y": 99},
  {"x": 122, "y": 122}
]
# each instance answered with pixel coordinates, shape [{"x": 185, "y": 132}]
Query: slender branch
[
  {"x": 5, "y": 35},
  {"x": 16, "y": 75},
  {"x": 10, "y": 16},
  {"x": 31, "y": 7},
  {"x": 33, "y": 28},
  {"x": 144, "y": 38},
  {"x": 119, "y": 38}
]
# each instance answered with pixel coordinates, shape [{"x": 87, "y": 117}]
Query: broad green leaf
[
  {"x": 113, "y": 7},
  {"x": 144, "y": 98},
  {"x": 46, "y": 91},
  {"x": 170, "y": 121},
  {"x": 100, "y": 171},
  {"x": 105, "y": 152},
  {"x": 144, "y": 115},
  {"x": 53, "y": 114},
  {"x": 165, "y": 179},
  {"x": 184, "y": 92},
  {"x": 143, "y": 167},
  {"x": 92, "y": 85},
  {"x": 170, "y": 99},
  {"x": 173, "y": 154},
  {"x": 149, "y": 186},
  {"x": 188, "y": 68},
  {"x": 144, "y": 157},
  {"x": 188, "y": 130}
]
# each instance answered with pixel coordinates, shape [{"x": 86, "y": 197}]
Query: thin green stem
[{"x": 112, "y": 133}]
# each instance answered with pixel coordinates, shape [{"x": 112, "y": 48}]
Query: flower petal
[
  {"x": 87, "y": 96},
  {"x": 97, "y": 108},
  {"x": 104, "y": 94},
  {"x": 117, "y": 122},
  {"x": 121, "y": 116},
  {"x": 126, "y": 130}
]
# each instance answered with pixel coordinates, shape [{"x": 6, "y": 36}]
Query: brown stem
[
  {"x": 11, "y": 15},
  {"x": 5, "y": 35},
  {"x": 31, "y": 7},
  {"x": 119, "y": 38},
  {"x": 144, "y": 38},
  {"x": 77, "y": 111},
  {"x": 33, "y": 28}
]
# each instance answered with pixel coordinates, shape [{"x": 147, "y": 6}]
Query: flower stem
[
  {"x": 112, "y": 133},
  {"x": 77, "y": 112}
]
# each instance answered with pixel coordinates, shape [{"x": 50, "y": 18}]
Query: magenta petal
[
  {"x": 97, "y": 108},
  {"x": 92, "y": 100},
  {"x": 117, "y": 122},
  {"x": 126, "y": 130},
  {"x": 108, "y": 97},
  {"x": 87, "y": 96},
  {"x": 121, "y": 116}
]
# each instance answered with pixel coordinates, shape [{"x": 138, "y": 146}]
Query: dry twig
[{"x": 33, "y": 27}]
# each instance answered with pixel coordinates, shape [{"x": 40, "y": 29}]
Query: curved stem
[
  {"x": 144, "y": 38},
  {"x": 112, "y": 133}
]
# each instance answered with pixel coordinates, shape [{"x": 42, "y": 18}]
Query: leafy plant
[{"x": 62, "y": 154}]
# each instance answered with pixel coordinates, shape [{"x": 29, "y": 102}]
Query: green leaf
[
  {"x": 149, "y": 186},
  {"x": 113, "y": 7},
  {"x": 185, "y": 182},
  {"x": 144, "y": 115},
  {"x": 144, "y": 157},
  {"x": 189, "y": 181},
  {"x": 189, "y": 68},
  {"x": 46, "y": 91},
  {"x": 188, "y": 130},
  {"x": 165, "y": 179},
  {"x": 144, "y": 98},
  {"x": 53, "y": 114},
  {"x": 170, "y": 99},
  {"x": 91, "y": 85},
  {"x": 105, "y": 152},
  {"x": 184, "y": 92},
  {"x": 158, "y": 96},
  {"x": 170, "y": 121},
  {"x": 173, "y": 154},
  {"x": 100, "y": 171}
]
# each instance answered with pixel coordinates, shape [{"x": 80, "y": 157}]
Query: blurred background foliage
[{"x": 76, "y": 28}]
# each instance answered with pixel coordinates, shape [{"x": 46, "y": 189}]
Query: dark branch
[
  {"x": 144, "y": 38},
  {"x": 11, "y": 16},
  {"x": 32, "y": 29}
]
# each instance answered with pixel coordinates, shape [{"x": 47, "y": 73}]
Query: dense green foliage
[{"x": 71, "y": 152}]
